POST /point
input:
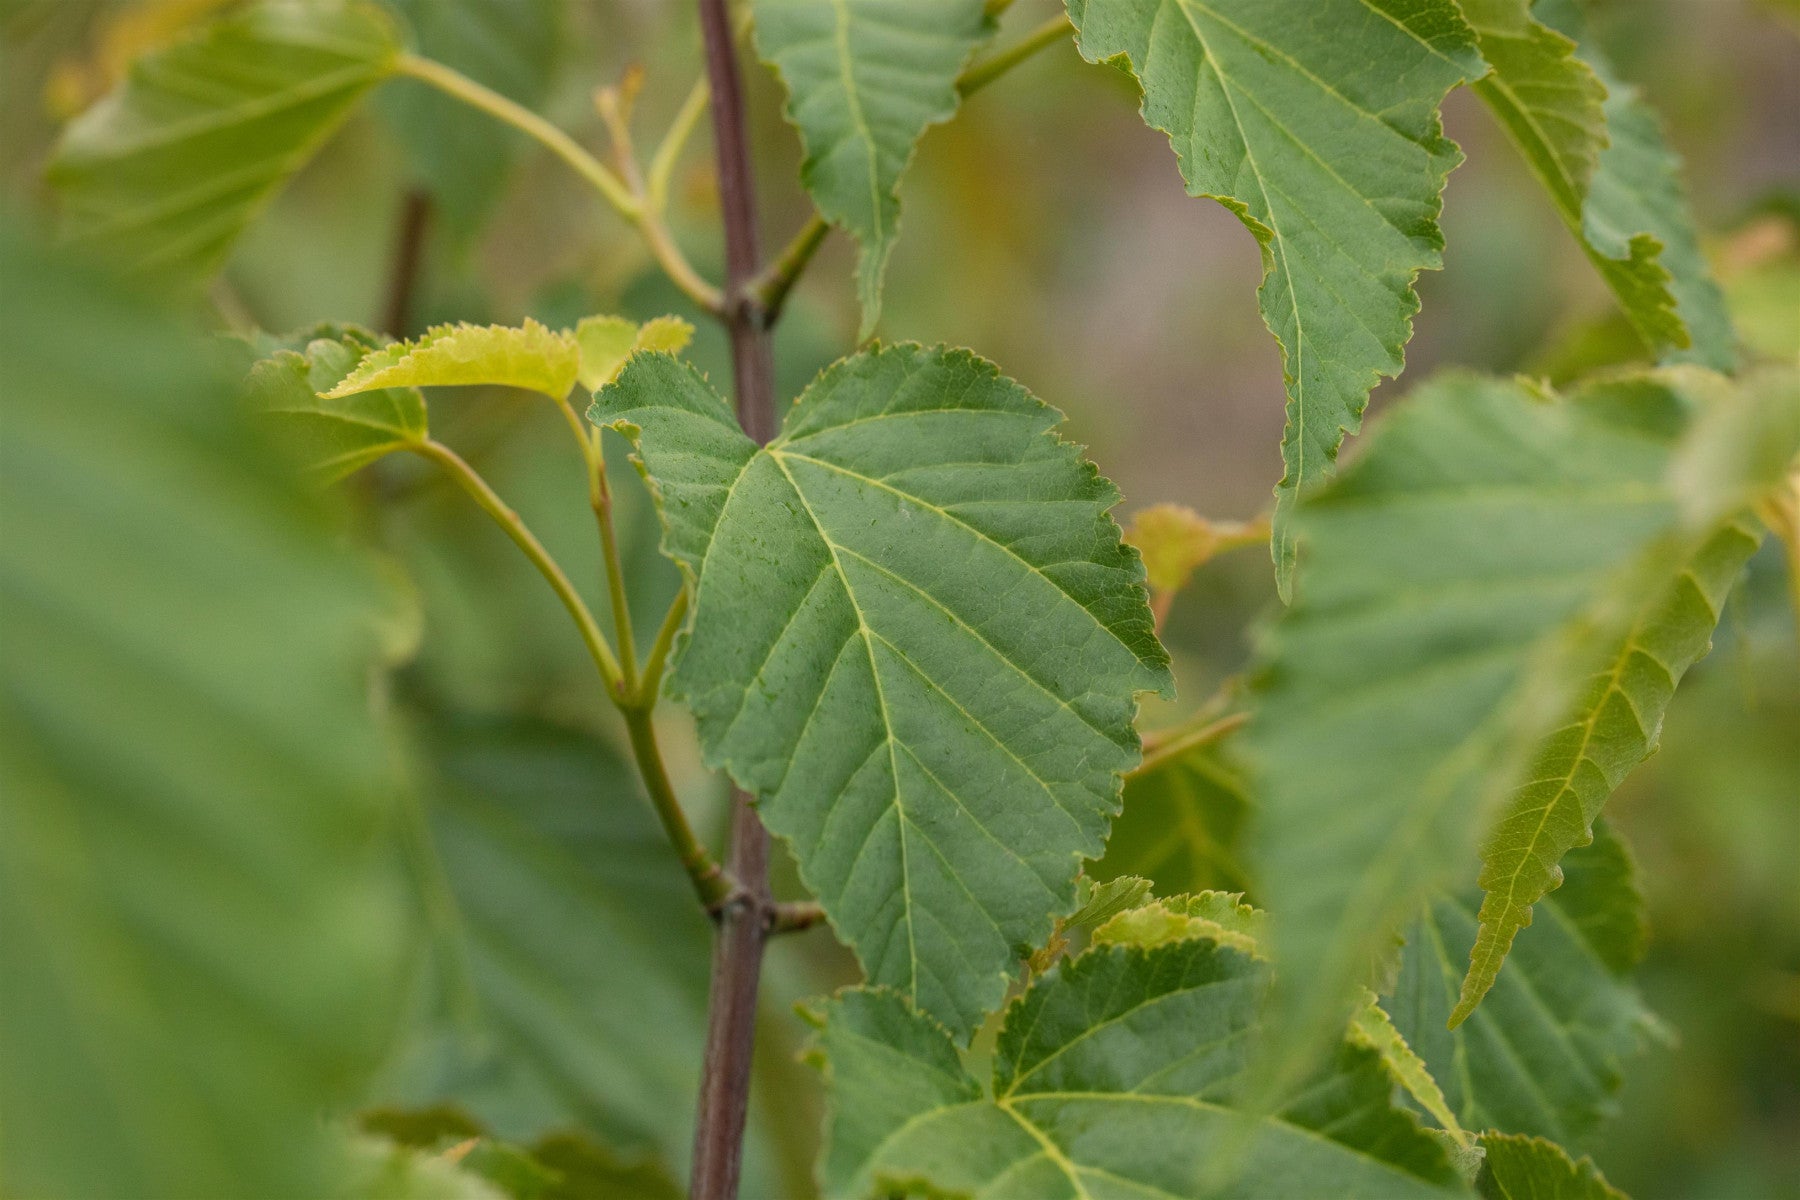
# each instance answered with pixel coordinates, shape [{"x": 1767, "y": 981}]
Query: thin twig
[
  {"x": 409, "y": 257},
  {"x": 471, "y": 482},
  {"x": 1180, "y": 744},
  {"x": 774, "y": 284},
  {"x": 717, "y": 889},
  {"x": 985, "y": 72},
  {"x": 743, "y": 927},
  {"x": 651, "y": 682}
]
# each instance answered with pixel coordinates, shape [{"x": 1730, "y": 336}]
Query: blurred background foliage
[{"x": 562, "y": 969}]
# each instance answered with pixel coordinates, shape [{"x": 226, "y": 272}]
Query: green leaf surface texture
[
  {"x": 200, "y": 931},
  {"x": 1113, "y": 1077},
  {"x": 560, "y": 919},
  {"x": 333, "y": 435},
  {"x": 1528, "y": 1168},
  {"x": 1469, "y": 576},
  {"x": 865, "y": 79},
  {"x": 1553, "y": 107},
  {"x": 916, "y": 638},
  {"x": 1544, "y": 1053},
  {"x": 1181, "y": 825},
  {"x": 163, "y": 173},
  {"x": 530, "y": 356},
  {"x": 1612, "y": 728},
  {"x": 1316, "y": 123},
  {"x": 1637, "y": 208},
  {"x": 460, "y": 155}
]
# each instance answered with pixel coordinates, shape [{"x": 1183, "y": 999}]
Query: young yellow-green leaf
[
  {"x": 865, "y": 79},
  {"x": 1181, "y": 825},
  {"x": 607, "y": 343},
  {"x": 1372, "y": 1027},
  {"x": 1531, "y": 1168},
  {"x": 1467, "y": 577},
  {"x": 531, "y": 357},
  {"x": 1316, "y": 122},
  {"x": 201, "y": 933},
  {"x": 1544, "y": 1053},
  {"x": 334, "y": 434},
  {"x": 163, "y": 173},
  {"x": 916, "y": 639},
  {"x": 1222, "y": 917},
  {"x": 1113, "y": 1076},
  {"x": 1636, "y": 209}
]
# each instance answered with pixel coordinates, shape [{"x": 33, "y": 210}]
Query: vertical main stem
[{"x": 743, "y": 925}]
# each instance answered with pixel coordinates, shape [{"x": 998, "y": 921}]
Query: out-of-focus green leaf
[
  {"x": 1316, "y": 123},
  {"x": 163, "y": 173},
  {"x": 1636, "y": 204},
  {"x": 1530, "y": 1168},
  {"x": 1113, "y": 1076},
  {"x": 1552, "y": 105},
  {"x": 865, "y": 80},
  {"x": 916, "y": 638},
  {"x": 562, "y": 1166},
  {"x": 1469, "y": 576},
  {"x": 383, "y": 1171},
  {"x": 199, "y": 924},
  {"x": 1181, "y": 825},
  {"x": 561, "y": 919},
  {"x": 1543, "y": 1053},
  {"x": 460, "y": 155},
  {"x": 338, "y": 433}
]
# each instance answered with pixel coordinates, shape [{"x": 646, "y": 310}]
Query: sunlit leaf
[
  {"x": 1468, "y": 577},
  {"x": 1544, "y": 1052},
  {"x": 607, "y": 343},
  {"x": 1316, "y": 123},
  {"x": 1529, "y": 1168},
  {"x": 200, "y": 932},
  {"x": 163, "y": 173},
  {"x": 865, "y": 79},
  {"x": 1114, "y": 1075},
  {"x": 916, "y": 638},
  {"x": 530, "y": 356},
  {"x": 333, "y": 434},
  {"x": 1636, "y": 204}
]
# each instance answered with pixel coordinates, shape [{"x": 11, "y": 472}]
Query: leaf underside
[
  {"x": 916, "y": 639},
  {"x": 1544, "y": 1054},
  {"x": 1316, "y": 123},
  {"x": 338, "y": 434},
  {"x": 163, "y": 174},
  {"x": 1113, "y": 1076},
  {"x": 865, "y": 80},
  {"x": 1528, "y": 1168},
  {"x": 1467, "y": 577}
]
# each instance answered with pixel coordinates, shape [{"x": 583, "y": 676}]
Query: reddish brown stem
[
  {"x": 409, "y": 254},
  {"x": 743, "y": 925}
]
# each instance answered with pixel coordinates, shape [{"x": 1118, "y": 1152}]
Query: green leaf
[
  {"x": 382, "y": 1171},
  {"x": 531, "y": 357},
  {"x": 1316, "y": 123},
  {"x": 560, "y": 918},
  {"x": 1528, "y": 1168},
  {"x": 334, "y": 434},
  {"x": 163, "y": 173},
  {"x": 201, "y": 930},
  {"x": 1552, "y": 106},
  {"x": 1219, "y": 916},
  {"x": 463, "y": 156},
  {"x": 916, "y": 638},
  {"x": 1181, "y": 825},
  {"x": 1468, "y": 576},
  {"x": 1543, "y": 1054},
  {"x": 865, "y": 79},
  {"x": 1612, "y": 728},
  {"x": 1114, "y": 1075},
  {"x": 1636, "y": 206},
  {"x": 607, "y": 344}
]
